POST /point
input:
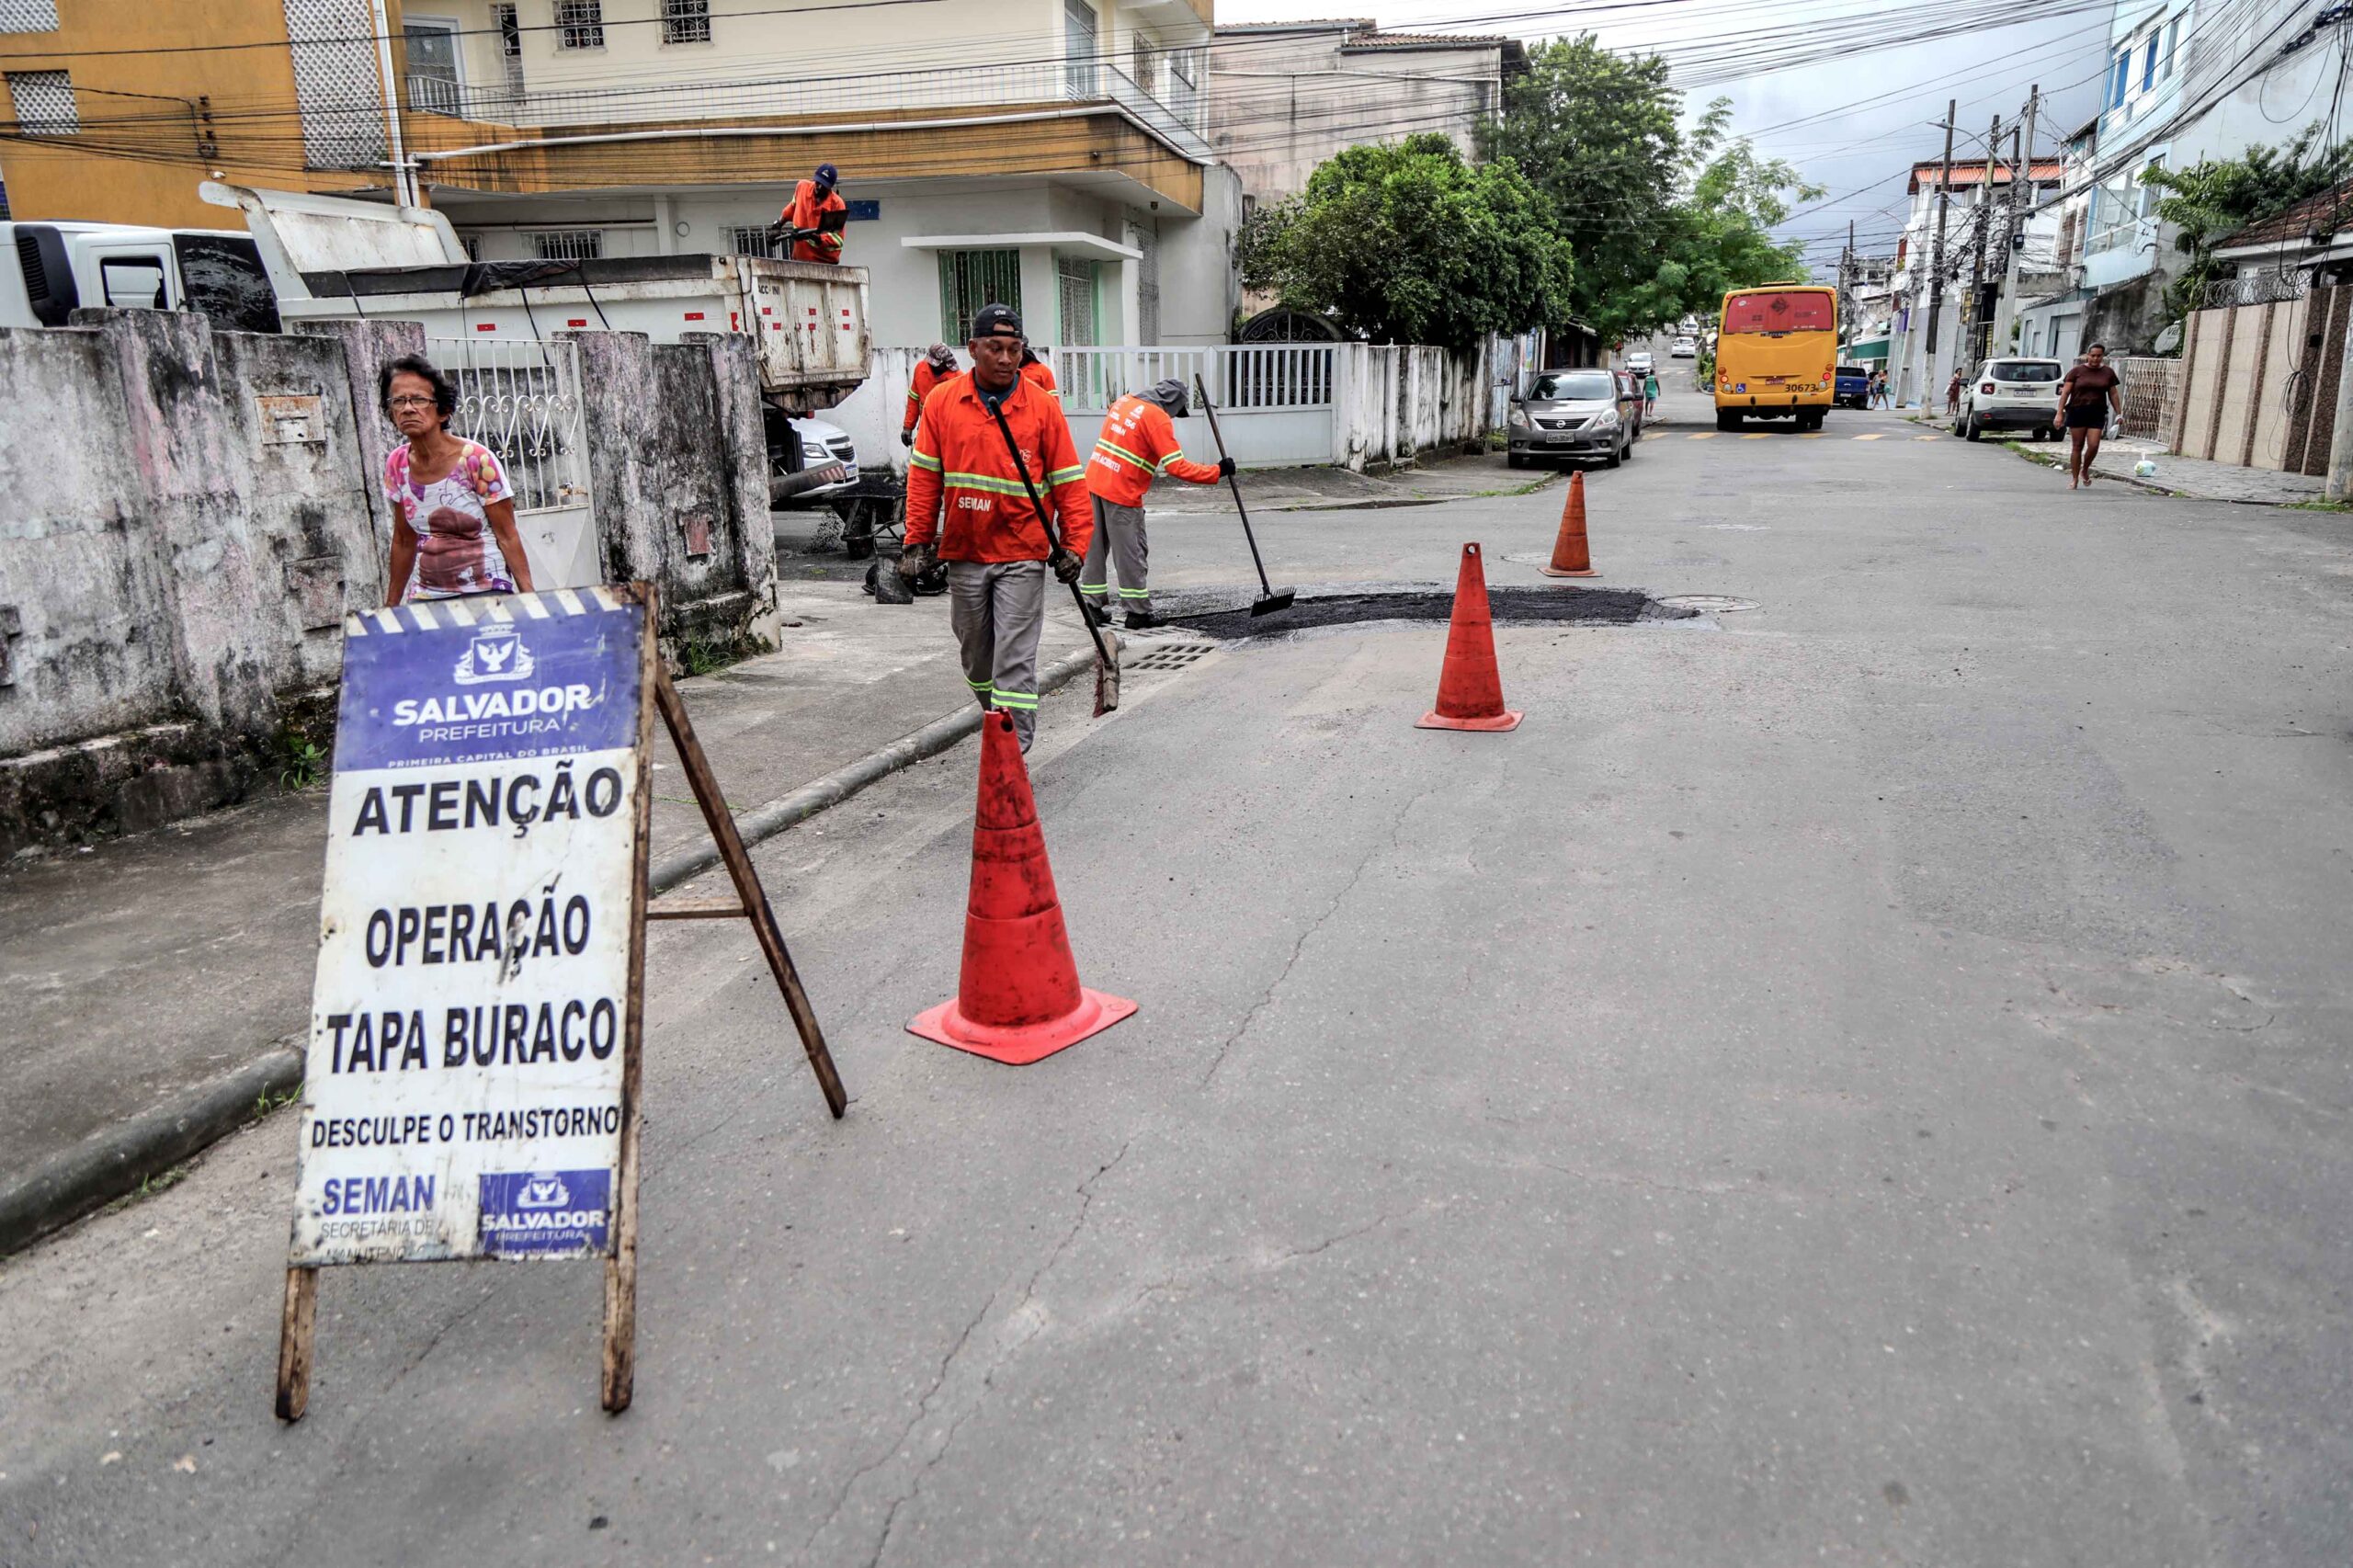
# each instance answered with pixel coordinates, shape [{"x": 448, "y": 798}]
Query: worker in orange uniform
[
  {"x": 1138, "y": 445},
  {"x": 1038, "y": 373},
  {"x": 997, "y": 548},
  {"x": 937, "y": 365},
  {"x": 817, "y": 214}
]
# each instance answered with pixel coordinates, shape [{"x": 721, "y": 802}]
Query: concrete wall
[{"x": 177, "y": 560}]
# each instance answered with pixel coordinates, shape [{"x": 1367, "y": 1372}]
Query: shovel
[
  {"x": 1268, "y": 601},
  {"x": 1107, "y": 656}
]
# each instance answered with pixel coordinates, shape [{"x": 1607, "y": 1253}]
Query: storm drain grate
[{"x": 1170, "y": 656}]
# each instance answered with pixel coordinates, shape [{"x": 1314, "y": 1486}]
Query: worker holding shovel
[
  {"x": 990, "y": 450},
  {"x": 1138, "y": 444}
]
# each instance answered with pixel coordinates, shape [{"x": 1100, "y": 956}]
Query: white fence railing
[
  {"x": 844, "y": 94},
  {"x": 1279, "y": 405}
]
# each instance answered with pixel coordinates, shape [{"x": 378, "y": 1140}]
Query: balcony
[{"x": 1078, "y": 81}]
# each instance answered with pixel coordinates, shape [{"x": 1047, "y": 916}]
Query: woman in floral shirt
[{"x": 453, "y": 513}]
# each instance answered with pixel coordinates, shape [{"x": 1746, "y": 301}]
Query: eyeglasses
[{"x": 400, "y": 402}]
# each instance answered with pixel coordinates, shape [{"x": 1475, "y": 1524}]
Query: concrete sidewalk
[{"x": 146, "y": 974}]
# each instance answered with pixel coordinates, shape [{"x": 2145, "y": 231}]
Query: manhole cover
[
  {"x": 1707, "y": 604},
  {"x": 1169, "y": 656}
]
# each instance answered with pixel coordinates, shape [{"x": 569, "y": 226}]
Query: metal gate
[{"x": 523, "y": 400}]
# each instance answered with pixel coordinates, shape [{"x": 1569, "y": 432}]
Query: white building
[
  {"x": 1977, "y": 225},
  {"x": 1048, "y": 153}
]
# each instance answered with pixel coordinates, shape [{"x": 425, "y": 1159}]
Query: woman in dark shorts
[{"x": 2085, "y": 397}]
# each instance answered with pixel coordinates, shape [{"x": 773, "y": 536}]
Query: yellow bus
[{"x": 1776, "y": 353}]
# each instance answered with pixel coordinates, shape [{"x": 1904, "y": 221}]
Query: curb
[{"x": 112, "y": 1162}]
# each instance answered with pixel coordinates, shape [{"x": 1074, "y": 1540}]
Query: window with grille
[
  {"x": 970, "y": 279},
  {"x": 756, "y": 242},
  {"x": 1147, "y": 66},
  {"x": 1184, "y": 90},
  {"x": 568, "y": 245},
  {"x": 1078, "y": 50},
  {"x": 510, "y": 46},
  {"x": 43, "y": 101},
  {"x": 1075, "y": 280},
  {"x": 582, "y": 23},
  {"x": 685, "y": 21},
  {"x": 27, "y": 15}
]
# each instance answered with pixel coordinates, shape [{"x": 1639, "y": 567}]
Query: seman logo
[{"x": 496, "y": 652}]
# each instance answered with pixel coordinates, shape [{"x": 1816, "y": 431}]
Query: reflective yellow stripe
[
  {"x": 1065, "y": 475},
  {"x": 1107, "y": 445},
  {"x": 924, "y": 459},
  {"x": 986, "y": 482}
]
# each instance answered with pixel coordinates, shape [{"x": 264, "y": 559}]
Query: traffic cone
[
  {"x": 1470, "y": 688},
  {"x": 1020, "y": 998},
  {"x": 1569, "y": 555}
]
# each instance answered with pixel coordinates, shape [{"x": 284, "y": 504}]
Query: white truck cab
[{"x": 47, "y": 270}]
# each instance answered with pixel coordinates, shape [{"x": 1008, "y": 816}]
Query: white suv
[{"x": 2009, "y": 394}]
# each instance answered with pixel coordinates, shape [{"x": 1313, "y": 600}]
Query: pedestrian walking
[
  {"x": 937, "y": 364},
  {"x": 1649, "y": 392},
  {"x": 1138, "y": 444},
  {"x": 986, "y": 441},
  {"x": 453, "y": 512},
  {"x": 1879, "y": 388},
  {"x": 1952, "y": 395},
  {"x": 2090, "y": 392}
]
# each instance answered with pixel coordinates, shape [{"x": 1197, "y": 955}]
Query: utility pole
[
  {"x": 1937, "y": 256},
  {"x": 1846, "y": 299},
  {"x": 1977, "y": 321},
  {"x": 2005, "y": 312}
]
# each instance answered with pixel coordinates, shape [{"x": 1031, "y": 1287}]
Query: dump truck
[{"x": 334, "y": 257}]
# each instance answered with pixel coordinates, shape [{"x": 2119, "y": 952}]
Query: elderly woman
[{"x": 453, "y": 513}]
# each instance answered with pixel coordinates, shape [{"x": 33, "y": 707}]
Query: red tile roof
[
  {"x": 2309, "y": 219},
  {"x": 1925, "y": 172}
]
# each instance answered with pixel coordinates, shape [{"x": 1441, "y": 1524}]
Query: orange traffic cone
[
  {"x": 1020, "y": 998},
  {"x": 1569, "y": 555},
  {"x": 1470, "y": 688}
]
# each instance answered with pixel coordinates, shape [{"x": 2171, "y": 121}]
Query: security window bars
[
  {"x": 757, "y": 241},
  {"x": 970, "y": 279},
  {"x": 1147, "y": 66},
  {"x": 43, "y": 101},
  {"x": 27, "y": 15},
  {"x": 582, "y": 23},
  {"x": 685, "y": 21},
  {"x": 510, "y": 46},
  {"x": 568, "y": 245}
]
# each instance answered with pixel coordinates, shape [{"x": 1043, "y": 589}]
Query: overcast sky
[{"x": 1858, "y": 149}]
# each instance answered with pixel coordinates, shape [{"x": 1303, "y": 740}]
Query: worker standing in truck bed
[{"x": 817, "y": 216}]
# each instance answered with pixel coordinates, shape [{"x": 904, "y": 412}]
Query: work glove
[
  {"x": 915, "y": 560},
  {"x": 1065, "y": 566},
  {"x": 907, "y": 438},
  {"x": 1225, "y": 468}
]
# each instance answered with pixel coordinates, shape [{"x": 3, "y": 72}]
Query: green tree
[
  {"x": 2214, "y": 198},
  {"x": 1410, "y": 244},
  {"x": 1597, "y": 133},
  {"x": 1661, "y": 222}
]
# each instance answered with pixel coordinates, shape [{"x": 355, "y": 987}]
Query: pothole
[
  {"x": 1225, "y": 615},
  {"x": 1708, "y": 604}
]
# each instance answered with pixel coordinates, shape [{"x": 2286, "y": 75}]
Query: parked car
[
  {"x": 2011, "y": 394},
  {"x": 1573, "y": 414},
  {"x": 1639, "y": 362},
  {"x": 1685, "y": 348},
  {"x": 1852, "y": 387}
]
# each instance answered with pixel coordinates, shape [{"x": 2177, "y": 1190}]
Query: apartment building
[
  {"x": 1048, "y": 153},
  {"x": 1290, "y": 94}
]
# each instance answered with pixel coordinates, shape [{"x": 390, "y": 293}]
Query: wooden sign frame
[{"x": 299, "y": 1317}]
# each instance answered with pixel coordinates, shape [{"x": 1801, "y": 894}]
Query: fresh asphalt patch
[{"x": 1225, "y": 613}]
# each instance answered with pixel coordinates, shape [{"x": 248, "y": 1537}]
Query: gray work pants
[
  {"x": 997, "y": 608},
  {"x": 1119, "y": 535}
]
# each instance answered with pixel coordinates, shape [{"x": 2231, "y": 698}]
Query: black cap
[{"x": 997, "y": 321}]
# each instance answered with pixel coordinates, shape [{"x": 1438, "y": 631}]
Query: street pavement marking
[
  {"x": 1758, "y": 435},
  {"x": 1702, "y": 436},
  {"x": 1809, "y": 435},
  {"x": 1927, "y": 437},
  {"x": 1872, "y": 437}
]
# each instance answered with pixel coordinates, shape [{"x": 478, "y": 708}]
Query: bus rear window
[{"x": 1796, "y": 311}]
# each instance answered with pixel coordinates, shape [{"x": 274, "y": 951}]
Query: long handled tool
[
  {"x": 1268, "y": 601},
  {"x": 1107, "y": 656}
]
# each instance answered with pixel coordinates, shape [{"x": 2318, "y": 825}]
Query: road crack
[{"x": 1250, "y": 1018}]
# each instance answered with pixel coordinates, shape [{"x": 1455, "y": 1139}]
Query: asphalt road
[{"x": 1857, "y": 1080}]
